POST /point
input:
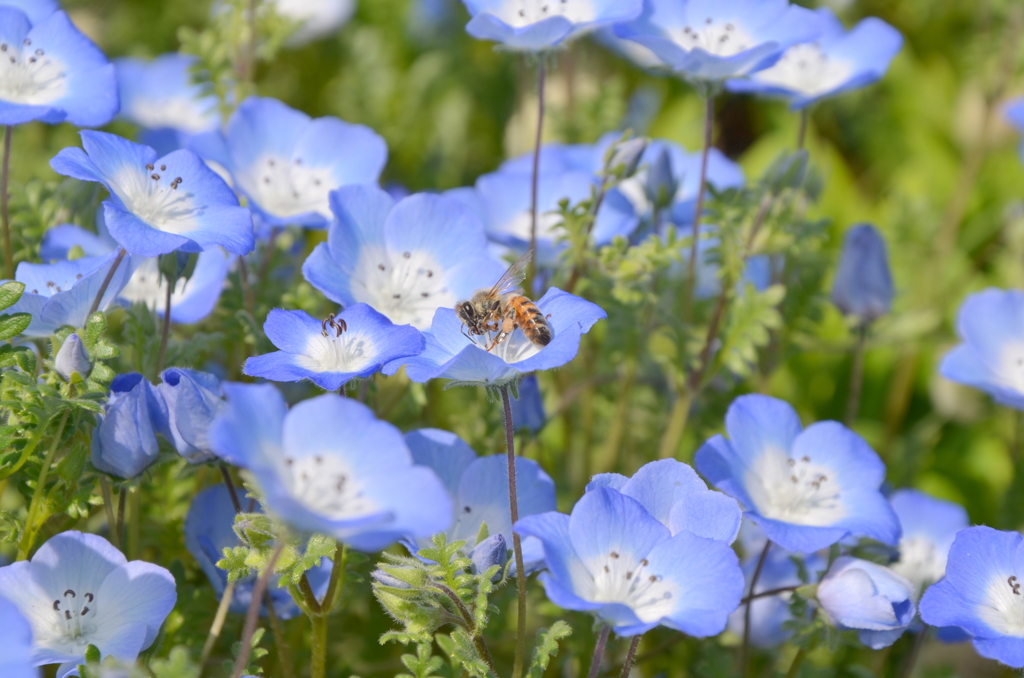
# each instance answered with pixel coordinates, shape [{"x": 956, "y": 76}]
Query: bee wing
[{"x": 513, "y": 276}]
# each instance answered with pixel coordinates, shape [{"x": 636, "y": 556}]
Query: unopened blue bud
[
  {"x": 382, "y": 577},
  {"x": 626, "y": 155},
  {"x": 124, "y": 443},
  {"x": 488, "y": 553},
  {"x": 72, "y": 359},
  {"x": 661, "y": 185},
  {"x": 863, "y": 285},
  {"x": 193, "y": 401}
]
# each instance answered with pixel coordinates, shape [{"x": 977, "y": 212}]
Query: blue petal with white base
[
  {"x": 160, "y": 95},
  {"x": 158, "y": 205},
  {"x": 329, "y": 465},
  {"x": 806, "y": 488},
  {"x": 538, "y": 25},
  {"x": 672, "y": 492},
  {"x": 61, "y": 294},
  {"x": 981, "y": 593},
  {"x": 929, "y": 527},
  {"x": 991, "y": 357},
  {"x": 838, "y": 61},
  {"x": 1014, "y": 114},
  {"x": 35, "y": 10},
  {"x": 287, "y": 163},
  {"x": 209, "y": 530},
  {"x": 405, "y": 259},
  {"x": 16, "y": 652},
  {"x": 327, "y": 354},
  {"x": 478, "y": 488},
  {"x": 52, "y": 72},
  {"x": 712, "y": 40},
  {"x": 78, "y": 590},
  {"x": 612, "y": 558},
  {"x": 858, "y": 594},
  {"x": 451, "y": 354}
]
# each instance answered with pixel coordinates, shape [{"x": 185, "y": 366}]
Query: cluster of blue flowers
[{"x": 654, "y": 549}]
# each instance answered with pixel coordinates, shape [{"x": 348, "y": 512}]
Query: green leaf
[
  {"x": 95, "y": 326},
  {"x": 547, "y": 647},
  {"x": 13, "y": 325},
  {"x": 10, "y": 293}
]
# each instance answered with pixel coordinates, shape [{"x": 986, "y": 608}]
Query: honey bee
[{"x": 502, "y": 308}]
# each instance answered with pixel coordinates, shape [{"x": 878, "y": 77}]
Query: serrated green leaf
[
  {"x": 95, "y": 326},
  {"x": 547, "y": 647},
  {"x": 13, "y": 325},
  {"x": 10, "y": 293}
]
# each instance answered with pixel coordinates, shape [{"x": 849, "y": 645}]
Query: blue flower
[
  {"x": 863, "y": 285},
  {"x": 78, "y": 590},
  {"x": 806, "y": 488},
  {"x": 712, "y": 40},
  {"x": 192, "y": 299},
  {"x": 528, "y": 407},
  {"x": 992, "y": 356},
  {"x": 838, "y": 61},
  {"x": 16, "y": 655},
  {"x": 316, "y": 18},
  {"x": 404, "y": 259},
  {"x": 62, "y": 293},
  {"x": 332, "y": 352},
  {"x": 158, "y": 205},
  {"x": 981, "y": 593},
  {"x": 478, "y": 489},
  {"x": 192, "y": 401},
  {"x": 929, "y": 527},
  {"x": 287, "y": 163},
  {"x": 72, "y": 359},
  {"x": 160, "y": 97},
  {"x": 209, "y": 530},
  {"x": 537, "y": 25},
  {"x": 858, "y": 594},
  {"x": 503, "y": 199},
  {"x": 451, "y": 354},
  {"x": 329, "y": 466},
  {"x": 1014, "y": 113},
  {"x": 614, "y": 559},
  {"x": 35, "y": 10},
  {"x": 672, "y": 493},
  {"x": 124, "y": 443},
  {"x": 52, "y": 72}
]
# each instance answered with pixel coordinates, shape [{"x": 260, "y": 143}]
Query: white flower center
[
  {"x": 148, "y": 287},
  {"x": 74, "y": 618},
  {"x": 325, "y": 485},
  {"x": 29, "y": 76},
  {"x": 796, "y": 491},
  {"x": 721, "y": 38},
  {"x": 407, "y": 287},
  {"x": 286, "y": 187},
  {"x": 156, "y": 196},
  {"x": 807, "y": 70},
  {"x": 920, "y": 561},
  {"x": 1009, "y": 370},
  {"x": 347, "y": 352},
  {"x": 621, "y": 578},
  {"x": 514, "y": 348},
  {"x": 1003, "y": 608},
  {"x": 519, "y": 13},
  {"x": 180, "y": 113}
]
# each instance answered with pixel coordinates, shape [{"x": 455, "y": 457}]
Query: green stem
[
  {"x": 319, "y": 646},
  {"x": 253, "y": 615},
  {"x": 595, "y": 661},
  {"x": 676, "y": 425},
  {"x": 108, "y": 507},
  {"x": 856, "y": 375},
  {"x": 915, "y": 651},
  {"x": 746, "y": 610},
  {"x": 794, "y": 668},
  {"x": 218, "y": 624},
  {"x": 691, "y": 269},
  {"x": 284, "y": 655},
  {"x": 106, "y": 281},
  {"x": 26, "y": 453},
  {"x": 513, "y": 503},
  {"x": 135, "y": 524},
  {"x": 33, "y": 508},
  {"x": 628, "y": 665},
  {"x": 534, "y": 217},
  {"x": 801, "y": 136},
  {"x": 4, "y": 209},
  {"x": 337, "y": 582},
  {"x": 165, "y": 331},
  {"x": 122, "y": 496}
]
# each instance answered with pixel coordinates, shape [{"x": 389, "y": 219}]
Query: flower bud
[
  {"x": 863, "y": 285},
  {"x": 72, "y": 359},
  {"x": 661, "y": 185},
  {"x": 858, "y": 594},
  {"x": 488, "y": 553},
  {"x": 626, "y": 155},
  {"x": 124, "y": 443},
  {"x": 193, "y": 400}
]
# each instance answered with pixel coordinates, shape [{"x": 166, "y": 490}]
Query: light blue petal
[
  {"x": 1008, "y": 650},
  {"x": 658, "y": 485},
  {"x": 444, "y": 452},
  {"x": 605, "y": 521},
  {"x": 708, "y": 514},
  {"x": 250, "y": 430}
]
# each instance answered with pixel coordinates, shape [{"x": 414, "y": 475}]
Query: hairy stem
[
  {"x": 856, "y": 375},
  {"x": 108, "y": 507},
  {"x": 337, "y": 581},
  {"x": 253, "y": 614},
  {"x": 801, "y": 136},
  {"x": 907, "y": 670},
  {"x": 135, "y": 524},
  {"x": 513, "y": 502},
  {"x": 4, "y": 207},
  {"x": 165, "y": 330},
  {"x": 230, "y": 484},
  {"x": 33, "y": 508},
  {"x": 218, "y": 624},
  {"x": 106, "y": 281},
  {"x": 284, "y": 655},
  {"x": 676, "y": 425},
  {"x": 628, "y": 665},
  {"x": 536, "y": 175},
  {"x": 467, "y": 618},
  {"x": 691, "y": 269},
  {"x": 768, "y": 593},
  {"x": 745, "y": 653},
  {"x": 318, "y": 646},
  {"x": 595, "y": 661}
]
